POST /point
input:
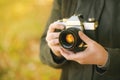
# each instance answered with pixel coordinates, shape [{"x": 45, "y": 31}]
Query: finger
[
  {"x": 67, "y": 54},
  {"x": 85, "y": 38},
  {"x": 55, "y": 26},
  {"x": 56, "y": 50},
  {"x": 51, "y": 36},
  {"x": 78, "y": 57},
  {"x": 53, "y": 42}
]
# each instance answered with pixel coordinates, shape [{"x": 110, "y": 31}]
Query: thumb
[{"x": 85, "y": 38}]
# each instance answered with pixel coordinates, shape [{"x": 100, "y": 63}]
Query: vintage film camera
[{"x": 69, "y": 38}]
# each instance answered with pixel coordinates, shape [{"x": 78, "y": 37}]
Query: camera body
[{"x": 69, "y": 37}]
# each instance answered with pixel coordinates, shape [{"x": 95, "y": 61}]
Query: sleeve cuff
[
  {"x": 103, "y": 69},
  {"x": 57, "y": 59}
]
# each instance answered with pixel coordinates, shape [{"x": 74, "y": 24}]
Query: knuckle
[
  {"x": 46, "y": 38},
  {"x": 51, "y": 43},
  {"x": 51, "y": 25}
]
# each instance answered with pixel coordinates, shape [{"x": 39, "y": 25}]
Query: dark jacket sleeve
[
  {"x": 112, "y": 70},
  {"x": 114, "y": 65},
  {"x": 46, "y": 55}
]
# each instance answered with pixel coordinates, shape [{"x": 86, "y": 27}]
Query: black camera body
[{"x": 69, "y": 37}]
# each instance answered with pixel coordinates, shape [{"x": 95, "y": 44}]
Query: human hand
[
  {"x": 93, "y": 54},
  {"x": 52, "y": 38}
]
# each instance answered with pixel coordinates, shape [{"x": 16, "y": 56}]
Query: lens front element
[{"x": 69, "y": 38}]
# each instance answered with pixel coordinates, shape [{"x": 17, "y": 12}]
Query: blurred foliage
[{"x": 21, "y": 25}]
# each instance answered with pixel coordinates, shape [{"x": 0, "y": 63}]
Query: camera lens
[
  {"x": 69, "y": 38},
  {"x": 66, "y": 39}
]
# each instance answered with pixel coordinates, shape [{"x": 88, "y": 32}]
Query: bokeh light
[{"x": 21, "y": 25}]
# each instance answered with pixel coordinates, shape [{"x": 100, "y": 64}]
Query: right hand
[{"x": 52, "y": 38}]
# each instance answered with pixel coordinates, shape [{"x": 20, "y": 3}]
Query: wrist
[
  {"x": 104, "y": 60},
  {"x": 58, "y": 59}
]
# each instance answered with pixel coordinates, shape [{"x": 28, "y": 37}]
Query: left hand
[{"x": 93, "y": 54}]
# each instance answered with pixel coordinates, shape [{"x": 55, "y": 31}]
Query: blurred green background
[{"x": 21, "y": 25}]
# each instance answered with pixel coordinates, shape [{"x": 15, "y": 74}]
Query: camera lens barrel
[{"x": 69, "y": 39}]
